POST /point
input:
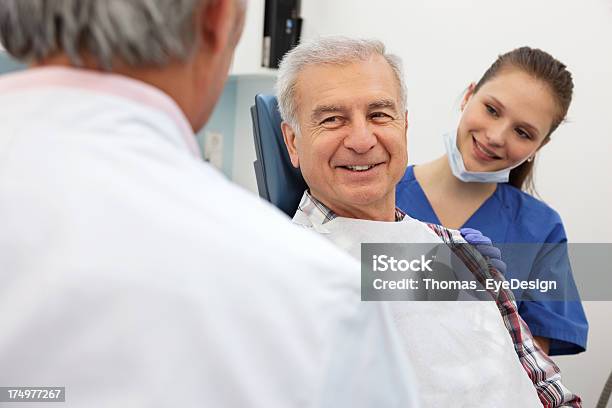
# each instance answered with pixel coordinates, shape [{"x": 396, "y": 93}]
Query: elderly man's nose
[{"x": 361, "y": 139}]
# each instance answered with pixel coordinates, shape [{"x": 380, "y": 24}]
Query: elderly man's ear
[{"x": 290, "y": 139}]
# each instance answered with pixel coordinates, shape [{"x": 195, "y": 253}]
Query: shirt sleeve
[{"x": 563, "y": 322}]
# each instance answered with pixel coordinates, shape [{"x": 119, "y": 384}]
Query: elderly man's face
[{"x": 352, "y": 146}]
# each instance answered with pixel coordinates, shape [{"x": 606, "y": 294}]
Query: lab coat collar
[{"x": 107, "y": 83}]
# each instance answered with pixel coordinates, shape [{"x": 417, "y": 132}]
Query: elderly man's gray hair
[
  {"x": 328, "y": 50},
  {"x": 137, "y": 32}
]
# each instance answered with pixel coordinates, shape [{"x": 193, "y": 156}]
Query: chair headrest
[{"x": 278, "y": 181}]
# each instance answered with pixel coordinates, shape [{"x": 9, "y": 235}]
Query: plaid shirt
[
  {"x": 319, "y": 211},
  {"x": 543, "y": 372}
]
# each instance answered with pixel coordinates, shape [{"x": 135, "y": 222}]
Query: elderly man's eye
[
  {"x": 331, "y": 121},
  {"x": 380, "y": 117}
]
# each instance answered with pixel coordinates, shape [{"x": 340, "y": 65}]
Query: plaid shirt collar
[{"x": 320, "y": 213}]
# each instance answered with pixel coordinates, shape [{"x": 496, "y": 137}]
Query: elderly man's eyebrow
[
  {"x": 382, "y": 104},
  {"x": 321, "y": 110}
]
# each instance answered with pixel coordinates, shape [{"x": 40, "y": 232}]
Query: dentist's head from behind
[
  {"x": 183, "y": 47},
  {"x": 343, "y": 102},
  {"x": 508, "y": 116}
]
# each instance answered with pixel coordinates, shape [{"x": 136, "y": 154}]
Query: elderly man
[
  {"x": 132, "y": 273},
  {"x": 345, "y": 122}
]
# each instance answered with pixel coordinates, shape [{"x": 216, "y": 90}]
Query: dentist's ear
[
  {"x": 221, "y": 24},
  {"x": 469, "y": 92},
  {"x": 289, "y": 137}
]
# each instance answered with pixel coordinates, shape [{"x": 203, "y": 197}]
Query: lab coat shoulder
[{"x": 364, "y": 336}]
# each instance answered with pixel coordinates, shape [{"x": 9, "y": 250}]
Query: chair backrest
[
  {"x": 277, "y": 180},
  {"x": 8, "y": 64}
]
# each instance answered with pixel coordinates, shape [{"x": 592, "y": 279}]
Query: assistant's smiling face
[
  {"x": 505, "y": 122},
  {"x": 352, "y": 143}
]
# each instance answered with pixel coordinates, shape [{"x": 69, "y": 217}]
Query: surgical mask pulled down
[{"x": 455, "y": 160}]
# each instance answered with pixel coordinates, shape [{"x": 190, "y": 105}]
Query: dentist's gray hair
[
  {"x": 335, "y": 50},
  {"x": 137, "y": 32}
]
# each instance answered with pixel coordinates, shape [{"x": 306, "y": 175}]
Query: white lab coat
[
  {"x": 461, "y": 351},
  {"x": 135, "y": 275}
]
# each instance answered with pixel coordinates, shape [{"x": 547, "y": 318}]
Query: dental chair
[
  {"x": 8, "y": 64},
  {"x": 277, "y": 180}
]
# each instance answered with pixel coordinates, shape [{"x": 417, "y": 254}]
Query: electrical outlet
[{"x": 213, "y": 149}]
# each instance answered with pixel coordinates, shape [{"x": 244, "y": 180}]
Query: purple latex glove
[{"x": 485, "y": 247}]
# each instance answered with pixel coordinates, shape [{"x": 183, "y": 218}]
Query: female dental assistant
[{"x": 506, "y": 118}]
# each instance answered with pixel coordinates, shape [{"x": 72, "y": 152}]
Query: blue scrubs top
[{"x": 513, "y": 216}]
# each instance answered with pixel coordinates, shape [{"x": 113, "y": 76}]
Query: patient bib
[{"x": 461, "y": 351}]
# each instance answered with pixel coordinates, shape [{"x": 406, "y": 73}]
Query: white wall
[
  {"x": 446, "y": 44},
  {"x": 247, "y": 57}
]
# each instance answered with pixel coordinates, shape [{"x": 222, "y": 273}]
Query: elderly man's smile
[
  {"x": 360, "y": 171},
  {"x": 359, "y": 167}
]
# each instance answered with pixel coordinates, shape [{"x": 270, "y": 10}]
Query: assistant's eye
[
  {"x": 523, "y": 133},
  {"x": 332, "y": 121},
  {"x": 492, "y": 111}
]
